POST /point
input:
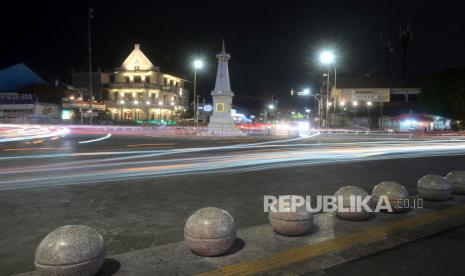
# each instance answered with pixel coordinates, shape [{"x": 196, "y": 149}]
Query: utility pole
[
  {"x": 91, "y": 15},
  {"x": 327, "y": 101}
]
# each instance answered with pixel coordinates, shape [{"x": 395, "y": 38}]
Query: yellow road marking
[
  {"x": 307, "y": 252},
  {"x": 150, "y": 145}
]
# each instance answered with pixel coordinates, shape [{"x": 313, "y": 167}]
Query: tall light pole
[
  {"x": 327, "y": 58},
  {"x": 198, "y": 64},
  {"x": 307, "y": 93},
  {"x": 91, "y": 15}
]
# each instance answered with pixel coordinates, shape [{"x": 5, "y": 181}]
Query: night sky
[{"x": 273, "y": 45}]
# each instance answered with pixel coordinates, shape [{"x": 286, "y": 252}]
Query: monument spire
[{"x": 222, "y": 84}]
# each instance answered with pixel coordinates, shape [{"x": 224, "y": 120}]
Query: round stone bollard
[
  {"x": 395, "y": 193},
  {"x": 457, "y": 180},
  {"x": 346, "y": 192},
  {"x": 434, "y": 187},
  {"x": 76, "y": 250},
  {"x": 210, "y": 231},
  {"x": 290, "y": 223}
]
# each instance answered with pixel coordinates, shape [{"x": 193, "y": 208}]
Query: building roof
[
  {"x": 137, "y": 60},
  {"x": 18, "y": 76},
  {"x": 377, "y": 82}
]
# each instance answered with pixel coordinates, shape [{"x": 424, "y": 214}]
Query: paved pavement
[{"x": 137, "y": 213}]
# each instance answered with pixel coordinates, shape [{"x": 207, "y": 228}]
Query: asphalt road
[{"x": 139, "y": 191}]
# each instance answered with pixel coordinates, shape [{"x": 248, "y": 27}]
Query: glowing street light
[
  {"x": 327, "y": 57},
  {"x": 342, "y": 103},
  {"x": 271, "y": 106},
  {"x": 369, "y": 103},
  {"x": 306, "y": 92},
  {"x": 136, "y": 102},
  {"x": 147, "y": 102},
  {"x": 198, "y": 64},
  {"x": 354, "y": 103}
]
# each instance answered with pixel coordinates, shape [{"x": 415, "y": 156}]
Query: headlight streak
[
  {"x": 18, "y": 132},
  {"x": 95, "y": 140},
  {"x": 113, "y": 170}
]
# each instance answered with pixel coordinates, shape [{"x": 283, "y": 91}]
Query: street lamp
[
  {"x": 271, "y": 106},
  {"x": 369, "y": 104},
  {"x": 198, "y": 64},
  {"x": 327, "y": 58}
]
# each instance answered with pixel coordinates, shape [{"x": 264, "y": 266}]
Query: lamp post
[
  {"x": 369, "y": 104},
  {"x": 306, "y": 92},
  {"x": 327, "y": 58},
  {"x": 198, "y": 64}
]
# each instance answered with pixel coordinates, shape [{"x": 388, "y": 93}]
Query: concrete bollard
[
  {"x": 290, "y": 223},
  {"x": 457, "y": 180},
  {"x": 76, "y": 250},
  {"x": 210, "y": 231},
  {"x": 434, "y": 187},
  {"x": 346, "y": 192},
  {"x": 395, "y": 193}
]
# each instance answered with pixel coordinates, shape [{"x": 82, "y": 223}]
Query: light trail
[
  {"x": 17, "y": 132},
  {"x": 96, "y": 140},
  {"x": 241, "y": 159}
]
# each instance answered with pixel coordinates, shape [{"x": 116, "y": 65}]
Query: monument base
[{"x": 223, "y": 129}]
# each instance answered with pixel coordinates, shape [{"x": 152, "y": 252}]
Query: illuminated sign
[
  {"x": 65, "y": 115},
  {"x": 207, "y": 108}
]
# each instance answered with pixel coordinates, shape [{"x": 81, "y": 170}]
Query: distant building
[
  {"x": 138, "y": 91},
  {"x": 364, "y": 101},
  {"x": 26, "y": 98}
]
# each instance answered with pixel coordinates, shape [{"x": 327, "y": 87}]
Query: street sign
[{"x": 207, "y": 108}]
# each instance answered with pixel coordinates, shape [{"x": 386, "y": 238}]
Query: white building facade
[{"x": 139, "y": 92}]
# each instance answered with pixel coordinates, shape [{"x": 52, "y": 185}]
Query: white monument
[{"x": 221, "y": 121}]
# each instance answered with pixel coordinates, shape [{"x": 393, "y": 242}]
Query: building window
[
  {"x": 219, "y": 107},
  {"x": 165, "y": 81},
  {"x": 140, "y": 96},
  {"x": 127, "y": 79},
  {"x": 115, "y": 95},
  {"x": 136, "y": 67},
  {"x": 147, "y": 78},
  {"x": 137, "y": 79}
]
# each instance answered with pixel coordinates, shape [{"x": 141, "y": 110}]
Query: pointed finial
[{"x": 224, "y": 48}]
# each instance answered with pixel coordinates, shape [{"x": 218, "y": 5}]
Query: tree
[{"x": 444, "y": 94}]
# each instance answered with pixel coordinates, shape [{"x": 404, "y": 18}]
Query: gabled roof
[
  {"x": 17, "y": 76},
  {"x": 137, "y": 60}
]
